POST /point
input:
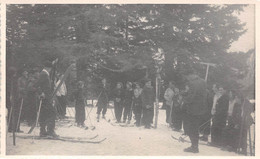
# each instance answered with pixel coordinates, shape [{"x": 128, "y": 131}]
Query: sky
[{"x": 247, "y": 40}]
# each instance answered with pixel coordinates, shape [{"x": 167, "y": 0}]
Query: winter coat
[
  {"x": 196, "y": 100},
  {"x": 148, "y": 98}
]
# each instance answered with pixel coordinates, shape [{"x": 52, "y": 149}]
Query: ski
[
  {"x": 182, "y": 139},
  {"x": 114, "y": 124},
  {"x": 126, "y": 125},
  {"x": 65, "y": 139}
]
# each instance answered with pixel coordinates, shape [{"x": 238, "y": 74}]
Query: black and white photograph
[{"x": 130, "y": 79}]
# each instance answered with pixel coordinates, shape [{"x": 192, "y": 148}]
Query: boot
[
  {"x": 192, "y": 149},
  {"x": 98, "y": 116}
]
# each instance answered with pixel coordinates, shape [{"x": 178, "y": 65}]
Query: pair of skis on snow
[{"x": 68, "y": 139}]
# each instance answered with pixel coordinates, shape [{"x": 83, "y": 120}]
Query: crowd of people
[
  {"x": 222, "y": 114},
  {"x": 226, "y": 116}
]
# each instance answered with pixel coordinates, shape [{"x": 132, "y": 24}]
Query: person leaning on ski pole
[
  {"x": 47, "y": 112},
  {"x": 196, "y": 107},
  {"x": 22, "y": 93}
]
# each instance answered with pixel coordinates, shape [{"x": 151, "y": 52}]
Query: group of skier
[
  {"x": 131, "y": 100},
  {"x": 194, "y": 107}
]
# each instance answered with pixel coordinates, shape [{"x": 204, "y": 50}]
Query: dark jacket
[
  {"x": 118, "y": 93},
  {"x": 103, "y": 96},
  {"x": 128, "y": 97},
  {"x": 235, "y": 118},
  {"x": 44, "y": 84},
  {"x": 148, "y": 97},
  {"x": 222, "y": 106},
  {"x": 197, "y": 97},
  {"x": 22, "y": 85}
]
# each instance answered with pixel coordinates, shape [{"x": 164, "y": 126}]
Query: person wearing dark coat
[
  {"x": 196, "y": 107},
  {"x": 48, "y": 112},
  {"x": 80, "y": 105},
  {"x": 148, "y": 98},
  {"x": 118, "y": 96},
  {"x": 32, "y": 94},
  {"x": 137, "y": 106},
  {"x": 206, "y": 121},
  {"x": 11, "y": 99},
  {"x": 103, "y": 99},
  {"x": 230, "y": 134},
  {"x": 219, "y": 118},
  {"x": 128, "y": 103}
]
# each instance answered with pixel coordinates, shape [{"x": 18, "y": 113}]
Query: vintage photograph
[{"x": 130, "y": 79}]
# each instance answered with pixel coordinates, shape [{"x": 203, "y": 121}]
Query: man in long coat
[
  {"x": 148, "y": 98},
  {"x": 47, "y": 113},
  {"x": 196, "y": 103}
]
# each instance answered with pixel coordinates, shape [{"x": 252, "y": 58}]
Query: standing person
[
  {"x": 11, "y": 96},
  {"x": 47, "y": 112},
  {"x": 21, "y": 101},
  {"x": 168, "y": 96},
  {"x": 80, "y": 106},
  {"x": 177, "y": 112},
  {"x": 219, "y": 117},
  {"x": 230, "y": 134},
  {"x": 148, "y": 97},
  {"x": 61, "y": 96},
  {"x": 118, "y": 96},
  {"x": 103, "y": 99},
  {"x": 206, "y": 122},
  {"x": 128, "y": 103},
  {"x": 196, "y": 108},
  {"x": 137, "y": 106},
  {"x": 185, "y": 95},
  {"x": 32, "y": 95}
]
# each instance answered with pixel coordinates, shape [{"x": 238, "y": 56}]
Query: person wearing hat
[
  {"x": 118, "y": 96},
  {"x": 128, "y": 102},
  {"x": 148, "y": 98},
  {"x": 196, "y": 107},
  {"x": 47, "y": 112}
]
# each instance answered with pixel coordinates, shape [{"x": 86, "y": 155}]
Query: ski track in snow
[{"x": 134, "y": 141}]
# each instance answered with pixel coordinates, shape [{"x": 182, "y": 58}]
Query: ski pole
[
  {"x": 242, "y": 127},
  {"x": 10, "y": 117},
  {"x": 90, "y": 119},
  {"x": 38, "y": 114},
  {"x": 250, "y": 142},
  {"x": 114, "y": 117},
  {"x": 19, "y": 117}
]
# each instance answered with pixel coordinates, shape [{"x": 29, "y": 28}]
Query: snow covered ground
[{"x": 120, "y": 140}]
